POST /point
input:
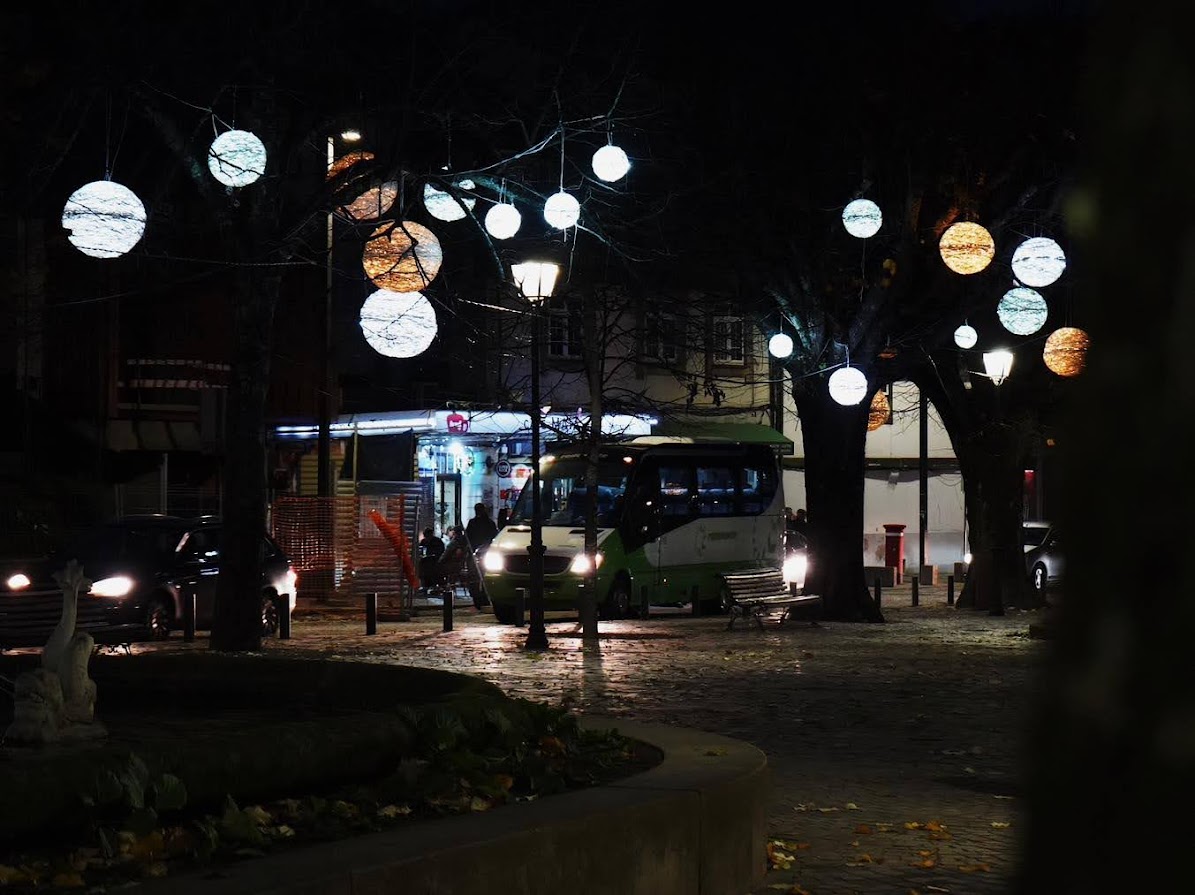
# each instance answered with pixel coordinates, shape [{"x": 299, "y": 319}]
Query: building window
[
  {"x": 728, "y": 337},
  {"x": 564, "y": 333},
  {"x": 660, "y": 338}
]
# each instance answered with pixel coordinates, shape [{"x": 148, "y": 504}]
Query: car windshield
[
  {"x": 565, "y": 499},
  {"x": 1034, "y": 535},
  {"x": 153, "y": 543}
]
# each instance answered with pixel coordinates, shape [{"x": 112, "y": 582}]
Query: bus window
[
  {"x": 757, "y": 486},
  {"x": 564, "y": 498},
  {"x": 715, "y": 489},
  {"x": 676, "y": 483}
]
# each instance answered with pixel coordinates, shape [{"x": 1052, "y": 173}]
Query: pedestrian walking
[{"x": 481, "y": 528}]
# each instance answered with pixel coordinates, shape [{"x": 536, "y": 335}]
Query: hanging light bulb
[
  {"x": 879, "y": 412},
  {"x": 848, "y": 386},
  {"x": 780, "y": 345},
  {"x": 562, "y": 210},
  {"x": 610, "y": 163},
  {"x": 237, "y": 158},
  {"x": 503, "y": 220}
]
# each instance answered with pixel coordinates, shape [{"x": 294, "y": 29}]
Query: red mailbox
[{"x": 894, "y": 549}]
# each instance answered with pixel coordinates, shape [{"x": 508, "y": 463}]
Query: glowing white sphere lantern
[
  {"x": 780, "y": 345},
  {"x": 503, "y": 220},
  {"x": 848, "y": 386},
  {"x": 862, "y": 218},
  {"x": 446, "y": 207},
  {"x": 1022, "y": 311},
  {"x": 105, "y": 219},
  {"x": 966, "y": 336},
  {"x": 398, "y": 324},
  {"x": 610, "y": 163},
  {"x": 562, "y": 210},
  {"x": 237, "y": 158},
  {"x": 402, "y": 257},
  {"x": 1038, "y": 261},
  {"x": 966, "y": 247}
]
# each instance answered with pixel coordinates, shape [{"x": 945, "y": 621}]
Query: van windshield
[{"x": 565, "y": 499}]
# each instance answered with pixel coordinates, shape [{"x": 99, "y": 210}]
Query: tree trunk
[
  {"x": 992, "y": 482},
  {"x": 237, "y": 623},
  {"x": 1113, "y": 751},
  {"x": 835, "y": 438}
]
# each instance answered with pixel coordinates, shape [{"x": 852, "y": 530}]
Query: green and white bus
[{"x": 674, "y": 513}]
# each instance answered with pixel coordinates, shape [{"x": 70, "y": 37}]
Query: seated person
[{"x": 431, "y": 548}]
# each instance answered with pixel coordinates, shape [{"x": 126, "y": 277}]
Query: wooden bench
[{"x": 763, "y": 592}]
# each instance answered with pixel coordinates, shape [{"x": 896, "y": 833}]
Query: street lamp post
[{"x": 536, "y": 279}]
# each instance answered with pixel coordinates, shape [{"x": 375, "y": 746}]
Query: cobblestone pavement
[{"x": 894, "y": 748}]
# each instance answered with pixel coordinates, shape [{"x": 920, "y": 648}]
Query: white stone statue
[{"x": 57, "y": 701}]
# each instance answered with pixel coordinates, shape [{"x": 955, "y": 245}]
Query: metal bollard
[
  {"x": 695, "y": 604},
  {"x": 949, "y": 590},
  {"x": 916, "y": 587},
  {"x": 879, "y": 591},
  {"x": 371, "y": 613},
  {"x": 282, "y": 601},
  {"x": 644, "y": 602},
  {"x": 520, "y": 606},
  {"x": 446, "y": 611},
  {"x": 189, "y": 617}
]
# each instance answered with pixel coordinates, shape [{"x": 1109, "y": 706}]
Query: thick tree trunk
[
  {"x": 992, "y": 481},
  {"x": 1113, "y": 751},
  {"x": 835, "y": 439},
  {"x": 238, "y": 623}
]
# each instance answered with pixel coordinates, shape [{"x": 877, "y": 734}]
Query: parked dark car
[
  {"x": 1044, "y": 560},
  {"x": 142, "y": 570}
]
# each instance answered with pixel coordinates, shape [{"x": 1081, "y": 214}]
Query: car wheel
[
  {"x": 618, "y": 600},
  {"x": 504, "y": 613},
  {"x": 159, "y": 619},
  {"x": 269, "y": 615},
  {"x": 1039, "y": 580}
]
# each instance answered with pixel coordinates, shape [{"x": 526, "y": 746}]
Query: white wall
[{"x": 893, "y": 496}]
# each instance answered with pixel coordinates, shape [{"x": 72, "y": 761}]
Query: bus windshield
[{"x": 565, "y": 499}]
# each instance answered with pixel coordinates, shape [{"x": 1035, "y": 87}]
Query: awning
[{"x": 744, "y": 433}]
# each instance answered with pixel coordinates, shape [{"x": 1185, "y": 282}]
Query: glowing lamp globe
[
  {"x": 237, "y": 158},
  {"x": 402, "y": 257},
  {"x": 966, "y": 336},
  {"x": 780, "y": 345},
  {"x": 562, "y": 210},
  {"x": 1038, "y": 262},
  {"x": 398, "y": 324},
  {"x": 104, "y": 219},
  {"x": 997, "y": 364},
  {"x": 503, "y": 220},
  {"x": 879, "y": 412},
  {"x": 1022, "y": 311},
  {"x": 967, "y": 248},
  {"x": 372, "y": 203},
  {"x": 848, "y": 386},
  {"x": 862, "y": 218},
  {"x": 446, "y": 207},
  {"x": 1065, "y": 353},
  {"x": 610, "y": 163}
]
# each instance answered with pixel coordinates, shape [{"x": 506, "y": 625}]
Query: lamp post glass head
[
  {"x": 535, "y": 279},
  {"x": 997, "y": 365}
]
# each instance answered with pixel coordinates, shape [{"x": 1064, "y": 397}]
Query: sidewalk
[{"x": 894, "y": 749}]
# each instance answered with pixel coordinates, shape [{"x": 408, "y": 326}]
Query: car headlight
[
  {"x": 290, "y": 581},
  {"x": 19, "y": 581},
  {"x": 116, "y": 586},
  {"x": 581, "y": 566},
  {"x": 494, "y": 560},
  {"x": 794, "y": 569}
]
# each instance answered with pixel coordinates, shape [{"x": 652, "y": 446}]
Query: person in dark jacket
[{"x": 481, "y": 528}]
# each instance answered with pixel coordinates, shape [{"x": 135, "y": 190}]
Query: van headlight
[
  {"x": 494, "y": 560},
  {"x": 116, "y": 586},
  {"x": 19, "y": 581},
  {"x": 581, "y": 565}
]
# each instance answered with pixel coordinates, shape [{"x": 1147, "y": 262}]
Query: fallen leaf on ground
[
  {"x": 924, "y": 864},
  {"x": 912, "y": 825},
  {"x": 975, "y": 868},
  {"x": 863, "y": 830},
  {"x": 1000, "y": 825},
  {"x": 934, "y": 827},
  {"x": 851, "y": 806}
]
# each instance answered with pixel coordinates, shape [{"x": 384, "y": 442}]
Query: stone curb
[{"x": 693, "y": 825}]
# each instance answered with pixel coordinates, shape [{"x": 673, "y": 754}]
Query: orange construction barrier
[{"x": 401, "y": 545}]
